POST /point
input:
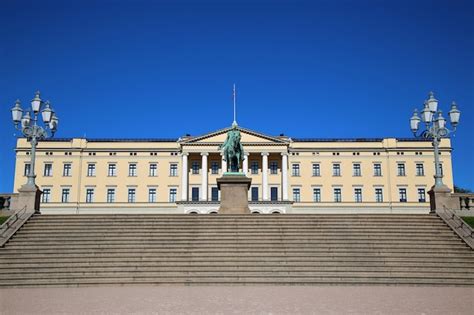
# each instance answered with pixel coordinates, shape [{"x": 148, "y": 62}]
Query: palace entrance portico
[{"x": 265, "y": 162}]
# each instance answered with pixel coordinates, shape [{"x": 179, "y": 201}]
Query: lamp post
[
  {"x": 27, "y": 122},
  {"x": 435, "y": 129}
]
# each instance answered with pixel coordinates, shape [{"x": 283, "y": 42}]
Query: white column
[
  {"x": 265, "y": 176},
  {"x": 204, "y": 176},
  {"x": 245, "y": 164},
  {"x": 284, "y": 175},
  {"x": 223, "y": 165},
  {"x": 184, "y": 176}
]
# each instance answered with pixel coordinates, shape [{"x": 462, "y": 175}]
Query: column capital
[
  {"x": 284, "y": 153},
  {"x": 184, "y": 153},
  {"x": 246, "y": 154},
  {"x": 265, "y": 153},
  {"x": 204, "y": 153}
]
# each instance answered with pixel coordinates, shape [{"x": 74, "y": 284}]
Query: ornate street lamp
[
  {"x": 435, "y": 129},
  {"x": 27, "y": 123}
]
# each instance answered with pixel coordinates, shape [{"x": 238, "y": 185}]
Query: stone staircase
[{"x": 73, "y": 250}]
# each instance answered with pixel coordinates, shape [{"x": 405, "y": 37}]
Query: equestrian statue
[{"x": 232, "y": 149}]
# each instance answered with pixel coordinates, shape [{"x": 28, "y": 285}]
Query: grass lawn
[
  {"x": 3, "y": 219},
  {"x": 469, "y": 220}
]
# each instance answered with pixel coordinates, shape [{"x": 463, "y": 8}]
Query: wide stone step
[
  {"x": 223, "y": 246},
  {"x": 238, "y": 281}
]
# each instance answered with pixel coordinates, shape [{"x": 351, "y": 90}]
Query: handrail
[
  {"x": 458, "y": 225},
  {"x": 13, "y": 224}
]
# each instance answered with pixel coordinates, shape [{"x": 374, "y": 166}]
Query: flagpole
[{"x": 235, "y": 114}]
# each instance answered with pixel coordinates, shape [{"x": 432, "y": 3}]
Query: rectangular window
[
  {"x": 65, "y": 195},
  {"x": 295, "y": 169},
  {"x": 420, "y": 171},
  {"x": 112, "y": 171},
  {"x": 131, "y": 195},
  {"x": 317, "y": 194},
  {"x": 296, "y": 195},
  {"x": 401, "y": 169},
  {"x": 273, "y": 193},
  {"x": 358, "y": 194},
  {"x": 152, "y": 195},
  {"x": 402, "y": 192},
  {"x": 195, "y": 193},
  {"x": 316, "y": 170},
  {"x": 378, "y": 195},
  {"x": 67, "y": 169},
  {"x": 153, "y": 169},
  {"x": 254, "y": 193},
  {"x": 273, "y": 167},
  {"x": 110, "y": 195},
  {"x": 336, "y": 169},
  {"x": 214, "y": 194},
  {"x": 173, "y": 170},
  {"x": 337, "y": 195},
  {"x": 377, "y": 169},
  {"x": 26, "y": 171},
  {"x": 421, "y": 195},
  {"x": 173, "y": 193},
  {"x": 356, "y": 169},
  {"x": 195, "y": 167},
  {"x": 254, "y": 167},
  {"x": 46, "y": 196},
  {"x": 90, "y": 169},
  {"x": 89, "y": 195},
  {"x": 132, "y": 169},
  {"x": 214, "y": 168},
  {"x": 48, "y": 170}
]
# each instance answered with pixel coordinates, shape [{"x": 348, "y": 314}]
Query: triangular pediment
[{"x": 248, "y": 137}]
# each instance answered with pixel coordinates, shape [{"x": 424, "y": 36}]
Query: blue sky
[{"x": 303, "y": 68}]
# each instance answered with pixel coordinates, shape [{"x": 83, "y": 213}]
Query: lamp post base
[
  {"x": 28, "y": 198},
  {"x": 440, "y": 198}
]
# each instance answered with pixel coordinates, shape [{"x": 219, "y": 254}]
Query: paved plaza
[{"x": 238, "y": 300}]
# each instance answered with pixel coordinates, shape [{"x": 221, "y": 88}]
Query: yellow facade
[{"x": 280, "y": 167}]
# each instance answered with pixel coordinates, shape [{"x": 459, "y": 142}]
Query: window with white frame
[
  {"x": 273, "y": 167},
  {"x": 254, "y": 193},
  {"x": 378, "y": 195},
  {"x": 317, "y": 194},
  {"x": 377, "y": 169},
  {"x": 112, "y": 170},
  {"x": 151, "y": 194},
  {"x": 110, "y": 195},
  {"x": 132, "y": 169},
  {"x": 316, "y": 169},
  {"x": 358, "y": 194},
  {"x": 46, "y": 195},
  {"x": 336, "y": 169},
  {"x": 356, "y": 169},
  {"x": 153, "y": 169},
  {"x": 90, "y": 169},
  {"x": 421, "y": 195},
  {"x": 67, "y": 167},
  {"x": 65, "y": 194},
  {"x": 420, "y": 171},
  {"x": 131, "y": 195},
  {"x": 254, "y": 167},
  {"x": 214, "y": 167},
  {"x": 26, "y": 171},
  {"x": 173, "y": 169},
  {"x": 214, "y": 194},
  {"x": 296, "y": 195},
  {"x": 173, "y": 193},
  {"x": 401, "y": 169},
  {"x": 195, "y": 167},
  {"x": 89, "y": 195},
  {"x": 295, "y": 167},
  {"x": 337, "y": 195},
  {"x": 48, "y": 169},
  {"x": 402, "y": 193}
]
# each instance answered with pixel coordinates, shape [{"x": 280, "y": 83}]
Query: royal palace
[{"x": 289, "y": 175}]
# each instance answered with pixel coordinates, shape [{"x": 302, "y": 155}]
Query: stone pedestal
[
  {"x": 234, "y": 189},
  {"x": 28, "y": 197},
  {"x": 440, "y": 197}
]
